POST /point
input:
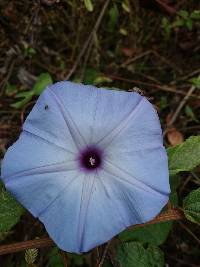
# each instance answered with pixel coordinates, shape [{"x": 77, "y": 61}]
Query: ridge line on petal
[
  {"x": 73, "y": 129},
  {"x": 85, "y": 200},
  {"x": 103, "y": 185},
  {"x": 131, "y": 207},
  {"x": 138, "y": 184},
  {"x": 43, "y": 169},
  {"x": 139, "y": 150},
  {"x": 108, "y": 138},
  {"x": 58, "y": 195},
  {"x": 46, "y": 140}
]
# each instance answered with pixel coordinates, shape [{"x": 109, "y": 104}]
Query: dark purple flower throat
[{"x": 91, "y": 158}]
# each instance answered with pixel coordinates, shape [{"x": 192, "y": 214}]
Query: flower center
[{"x": 90, "y": 158}]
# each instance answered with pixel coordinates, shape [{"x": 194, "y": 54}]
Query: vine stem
[{"x": 170, "y": 215}]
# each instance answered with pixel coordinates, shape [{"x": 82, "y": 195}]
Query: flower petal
[
  {"x": 95, "y": 111},
  {"x": 66, "y": 224},
  {"x": 30, "y": 152},
  {"x": 36, "y": 176},
  {"x": 115, "y": 205},
  {"x": 46, "y": 122},
  {"x": 138, "y": 151}
]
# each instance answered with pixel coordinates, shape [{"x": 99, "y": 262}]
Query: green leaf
[
  {"x": 10, "y": 211},
  {"x": 155, "y": 234},
  {"x": 135, "y": 254},
  {"x": 42, "y": 82},
  {"x": 90, "y": 76},
  {"x": 189, "y": 24},
  {"x": 178, "y": 23},
  {"x": 102, "y": 79},
  {"x": 184, "y": 157},
  {"x": 191, "y": 206},
  {"x": 55, "y": 258},
  {"x": 113, "y": 18},
  {"x": 195, "y": 82},
  {"x": 184, "y": 14},
  {"x": 26, "y": 97},
  {"x": 10, "y": 89},
  {"x": 88, "y": 5},
  {"x": 174, "y": 183},
  {"x": 126, "y": 6},
  {"x": 195, "y": 15}
]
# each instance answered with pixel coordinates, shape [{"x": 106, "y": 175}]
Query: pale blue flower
[{"x": 89, "y": 163}]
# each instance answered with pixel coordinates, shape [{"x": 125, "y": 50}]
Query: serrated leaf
[
  {"x": 155, "y": 234},
  {"x": 191, "y": 206},
  {"x": 10, "y": 211},
  {"x": 184, "y": 157},
  {"x": 42, "y": 82},
  {"x": 135, "y": 254}
]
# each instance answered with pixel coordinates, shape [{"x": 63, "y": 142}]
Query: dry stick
[
  {"x": 96, "y": 26},
  {"x": 159, "y": 87},
  {"x": 170, "y": 215},
  {"x": 187, "y": 76},
  {"x": 189, "y": 232},
  {"x": 86, "y": 59},
  {"x": 104, "y": 255},
  {"x": 146, "y": 53},
  {"x": 179, "y": 108},
  {"x": 20, "y": 246}
]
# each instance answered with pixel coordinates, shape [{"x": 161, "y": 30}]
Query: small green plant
[
  {"x": 25, "y": 96},
  {"x": 195, "y": 82},
  {"x": 184, "y": 19}
]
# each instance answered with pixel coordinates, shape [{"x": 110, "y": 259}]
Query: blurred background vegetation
[{"x": 152, "y": 46}]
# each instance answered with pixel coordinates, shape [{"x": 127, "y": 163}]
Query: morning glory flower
[{"x": 89, "y": 163}]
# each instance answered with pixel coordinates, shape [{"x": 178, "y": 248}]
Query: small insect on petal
[{"x": 89, "y": 163}]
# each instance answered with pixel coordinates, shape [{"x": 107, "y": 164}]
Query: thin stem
[{"x": 170, "y": 215}]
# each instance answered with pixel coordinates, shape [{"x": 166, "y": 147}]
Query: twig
[
  {"x": 146, "y": 53},
  {"x": 187, "y": 76},
  {"x": 104, "y": 255},
  {"x": 156, "y": 86},
  {"x": 180, "y": 106},
  {"x": 189, "y": 232},
  {"x": 86, "y": 60},
  {"x": 96, "y": 26},
  {"x": 170, "y": 10},
  {"x": 20, "y": 246},
  {"x": 131, "y": 60},
  {"x": 170, "y": 215}
]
